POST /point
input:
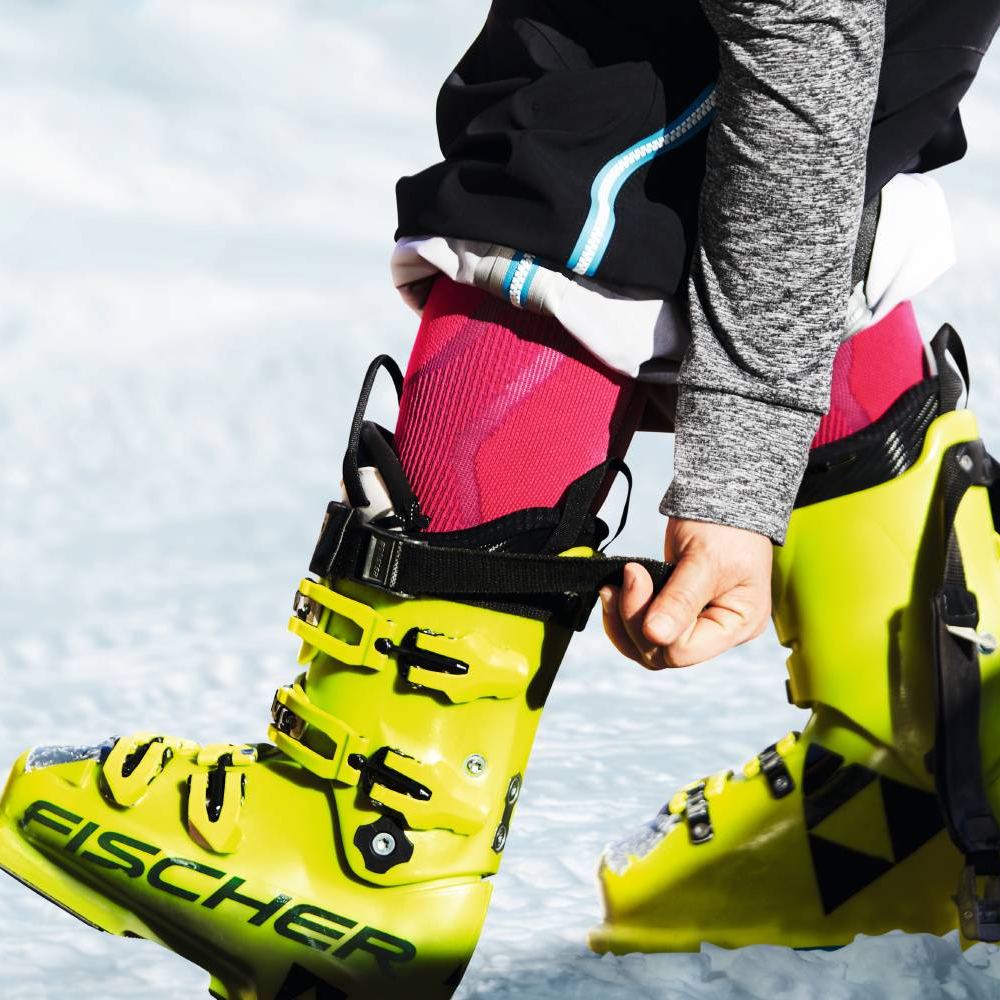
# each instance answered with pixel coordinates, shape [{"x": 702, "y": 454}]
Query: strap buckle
[
  {"x": 699, "y": 822},
  {"x": 380, "y": 567},
  {"x": 774, "y": 769}
]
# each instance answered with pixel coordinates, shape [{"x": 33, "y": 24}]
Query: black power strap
[
  {"x": 958, "y": 766},
  {"x": 348, "y": 547}
]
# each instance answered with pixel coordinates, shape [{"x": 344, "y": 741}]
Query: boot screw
[
  {"x": 780, "y": 784},
  {"x": 966, "y": 463},
  {"x": 698, "y": 831},
  {"x": 383, "y": 844},
  {"x": 476, "y": 765},
  {"x": 500, "y": 838},
  {"x": 513, "y": 791},
  {"x": 987, "y": 643}
]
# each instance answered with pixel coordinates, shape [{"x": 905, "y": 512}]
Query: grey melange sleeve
[{"x": 780, "y": 208}]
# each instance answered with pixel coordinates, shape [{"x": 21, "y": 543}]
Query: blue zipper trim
[
  {"x": 508, "y": 278},
  {"x": 526, "y": 287},
  {"x": 599, "y": 201}
]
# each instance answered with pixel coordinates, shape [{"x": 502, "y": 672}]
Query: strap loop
[
  {"x": 352, "y": 476},
  {"x": 947, "y": 343}
]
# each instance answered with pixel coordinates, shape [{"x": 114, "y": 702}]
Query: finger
[
  {"x": 706, "y": 640},
  {"x": 636, "y": 593},
  {"x": 614, "y": 627},
  {"x": 672, "y": 613},
  {"x": 717, "y": 629}
]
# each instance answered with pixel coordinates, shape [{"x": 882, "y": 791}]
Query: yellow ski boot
[
  {"x": 349, "y": 858},
  {"x": 844, "y": 828}
]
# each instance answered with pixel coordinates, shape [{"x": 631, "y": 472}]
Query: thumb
[{"x": 675, "y": 609}]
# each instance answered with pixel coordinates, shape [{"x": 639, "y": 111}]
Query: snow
[{"x": 195, "y": 212}]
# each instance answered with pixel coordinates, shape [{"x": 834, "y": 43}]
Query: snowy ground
[{"x": 195, "y": 208}]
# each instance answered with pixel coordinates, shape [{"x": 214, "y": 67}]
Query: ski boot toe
[
  {"x": 802, "y": 848},
  {"x": 154, "y": 837}
]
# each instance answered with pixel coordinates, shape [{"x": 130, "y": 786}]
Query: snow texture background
[{"x": 196, "y": 206}]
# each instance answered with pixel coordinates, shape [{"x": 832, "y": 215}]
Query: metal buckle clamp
[
  {"x": 291, "y": 713},
  {"x": 312, "y": 607},
  {"x": 696, "y": 814}
]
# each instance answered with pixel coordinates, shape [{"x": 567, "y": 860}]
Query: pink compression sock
[
  {"x": 502, "y": 409},
  {"x": 871, "y": 371}
]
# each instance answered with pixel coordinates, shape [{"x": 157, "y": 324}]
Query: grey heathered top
[{"x": 780, "y": 208}]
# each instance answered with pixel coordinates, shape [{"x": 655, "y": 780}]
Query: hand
[{"x": 718, "y": 596}]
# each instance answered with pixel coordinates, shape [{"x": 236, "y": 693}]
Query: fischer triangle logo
[{"x": 861, "y": 824}]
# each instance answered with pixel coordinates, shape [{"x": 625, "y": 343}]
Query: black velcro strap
[
  {"x": 405, "y": 566},
  {"x": 957, "y": 756}
]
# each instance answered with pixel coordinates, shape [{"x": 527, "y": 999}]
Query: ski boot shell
[
  {"x": 264, "y": 872},
  {"x": 844, "y": 828},
  {"x": 348, "y": 857}
]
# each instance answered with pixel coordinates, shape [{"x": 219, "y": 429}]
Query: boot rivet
[
  {"x": 513, "y": 789},
  {"x": 987, "y": 643},
  {"x": 780, "y": 784},
  {"x": 476, "y": 765},
  {"x": 500, "y": 838},
  {"x": 383, "y": 844},
  {"x": 966, "y": 463},
  {"x": 699, "y": 831}
]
